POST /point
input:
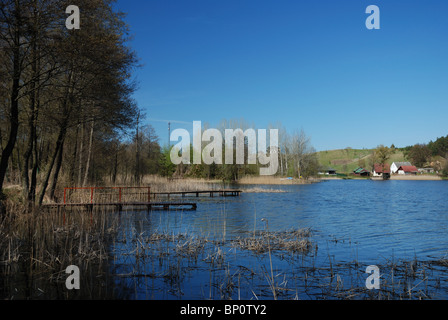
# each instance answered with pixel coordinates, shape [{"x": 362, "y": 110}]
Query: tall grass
[
  {"x": 165, "y": 184},
  {"x": 36, "y": 247}
]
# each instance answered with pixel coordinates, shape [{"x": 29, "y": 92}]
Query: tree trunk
[
  {"x": 74, "y": 157},
  {"x": 137, "y": 155},
  {"x": 57, "y": 170},
  {"x": 29, "y": 150},
  {"x": 114, "y": 173},
  {"x": 14, "y": 98},
  {"x": 281, "y": 161},
  {"x": 33, "y": 182},
  {"x": 81, "y": 146},
  {"x": 89, "y": 154},
  {"x": 28, "y": 155},
  {"x": 59, "y": 145},
  {"x": 34, "y": 109}
]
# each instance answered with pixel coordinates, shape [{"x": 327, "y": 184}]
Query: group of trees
[
  {"x": 65, "y": 97},
  {"x": 423, "y": 154},
  {"x": 295, "y": 154}
]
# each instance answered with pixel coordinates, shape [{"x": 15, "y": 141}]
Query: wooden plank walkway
[
  {"x": 120, "y": 206},
  {"x": 211, "y": 193},
  {"x": 149, "y": 205}
]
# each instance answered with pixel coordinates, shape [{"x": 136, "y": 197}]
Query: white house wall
[{"x": 393, "y": 168}]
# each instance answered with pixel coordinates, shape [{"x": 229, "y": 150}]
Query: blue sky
[{"x": 307, "y": 64}]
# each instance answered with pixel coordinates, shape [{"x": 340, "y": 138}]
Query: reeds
[
  {"x": 39, "y": 245},
  {"x": 165, "y": 184},
  {"x": 293, "y": 241},
  {"x": 272, "y": 180},
  {"x": 263, "y": 190}
]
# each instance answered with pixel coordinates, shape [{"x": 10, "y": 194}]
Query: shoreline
[
  {"x": 422, "y": 177},
  {"x": 268, "y": 180},
  {"x": 393, "y": 177}
]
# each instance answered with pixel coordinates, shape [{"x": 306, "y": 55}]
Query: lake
[{"x": 401, "y": 226}]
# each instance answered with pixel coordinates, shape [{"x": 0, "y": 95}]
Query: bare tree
[{"x": 302, "y": 152}]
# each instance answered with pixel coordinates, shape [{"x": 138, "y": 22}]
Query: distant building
[
  {"x": 328, "y": 171},
  {"x": 395, "y": 165},
  {"x": 426, "y": 170},
  {"x": 407, "y": 170},
  {"x": 381, "y": 170},
  {"x": 361, "y": 172}
]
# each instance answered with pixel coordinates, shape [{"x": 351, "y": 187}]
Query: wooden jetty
[
  {"x": 133, "y": 205},
  {"x": 121, "y": 197},
  {"x": 211, "y": 193}
]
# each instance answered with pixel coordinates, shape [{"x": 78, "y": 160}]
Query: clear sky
[{"x": 307, "y": 64}]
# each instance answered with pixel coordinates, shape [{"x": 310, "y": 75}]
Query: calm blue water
[
  {"x": 382, "y": 218},
  {"x": 367, "y": 221}
]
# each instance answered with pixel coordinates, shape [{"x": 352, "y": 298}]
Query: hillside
[{"x": 347, "y": 160}]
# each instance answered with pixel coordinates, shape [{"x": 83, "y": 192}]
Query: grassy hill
[{"x": 347, "y": 160}]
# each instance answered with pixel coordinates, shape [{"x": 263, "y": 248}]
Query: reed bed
[
  {"x": 165, "y": 184},
  {"x": 139, "y": 192},
  {"x": 169, "y": 258},
  {"x": 36, "y": 247},
  {"x": 263, "y": 190},
  {"x": 294, "y": 241},
  {"x": 400, "y": 280},
  {"x": 273, "y": 180}
]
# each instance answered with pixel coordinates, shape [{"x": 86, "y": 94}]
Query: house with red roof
[
  {"x": 407, "y": 170},
  {"x": 381, "y": 170}
]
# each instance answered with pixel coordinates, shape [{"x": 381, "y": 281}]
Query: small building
[
  {"x": 425, "y": 170},
  {"x": 381, "y": 170},
  {"x": 395, "y": 165},
  {"x": 361, "y": 172},
  {"x": 407, "y": 170},
  {"x": 327, "y": 171}
]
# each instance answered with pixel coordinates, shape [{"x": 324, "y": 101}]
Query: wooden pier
[
  {"x": 126, "y": 197},
  {"x": 120, "y": 206},
  {"x": 211, "y": 193}
]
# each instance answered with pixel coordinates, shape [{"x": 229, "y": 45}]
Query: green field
[{"x": 347, "y": 160}]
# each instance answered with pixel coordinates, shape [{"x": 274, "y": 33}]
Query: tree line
[
  {"x": 295, "y": 154},
  {"x": 65, "y": 95},
  {"x": 423, "y": 154}
]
